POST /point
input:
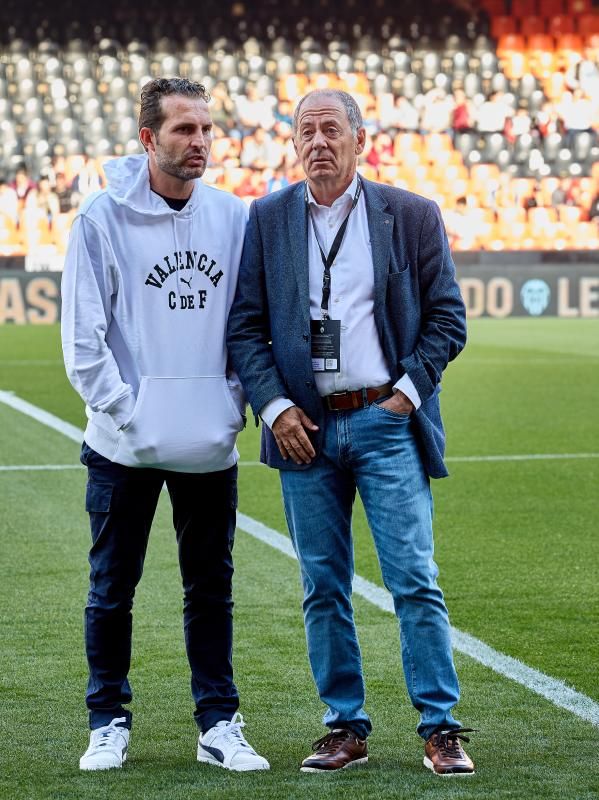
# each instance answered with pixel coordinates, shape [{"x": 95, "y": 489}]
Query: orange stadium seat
[
  {"x": 588, "y": 185},
  {"x": 531, "y": 25},
  {"x": 541, "y": 57},
  {"x": 436, "y": 146},
  {"x": 548, "y": 185},
  {"x": 61, "y": 227},
  {"x": 585, "y": 236},
  {"x": 510, "y": 43},
  {"x": 540, "y": 41},
  {"x": 494, "y": 7},
  {"x": 515, "y": 65},
  {"x": 542, "y": 221},
  {"x": 551, "y": 8},
  {"x": 524, "y": 8},
  {"x": 407, "y": 144},
  {"x": 568, "y": 50},
  {"x": 354, "y": 82},
  {"x": 588, "y": 24},
  {"x": 390, "y": 173},
  {"x": 324, "y": 80},
  {"x": 37, "y": 232},
  {"x": 554, "y": 85},
  {"x": 483, "y": 172},
  {"x": 503, "y": 26},
  {"x": 561, "y": 24},
  {"x": 509, "y": 215},
  {"x": 570, "y": 215},
  {"x": 368, "y": 171},
  {"x": 11, "y": 242},
  {"x": 292, "y": 86}
]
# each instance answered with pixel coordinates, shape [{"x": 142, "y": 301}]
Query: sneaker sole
[
  {"x": 429, "y": 765},
  {"x": 241, "y": 768},
  {"x": 97, "y": 768},
  {"x": 357, "y": 763}
]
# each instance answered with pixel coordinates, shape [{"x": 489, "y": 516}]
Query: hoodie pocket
[{"x": 184, "y": 424}]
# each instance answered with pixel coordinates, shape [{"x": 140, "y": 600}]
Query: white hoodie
[{"x": 146, "y": 292}]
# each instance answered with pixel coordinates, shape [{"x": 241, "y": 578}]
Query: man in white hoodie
[{"x": 149, "y": 279}]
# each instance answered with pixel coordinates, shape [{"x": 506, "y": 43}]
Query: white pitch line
[
  {"x": 47, "y": 419},
  {"x": 519, "y": 457},
  {"x": 76, "y": 434},
  {"x": 38, "y": 467},
  {"x": 552, "y": 689}
]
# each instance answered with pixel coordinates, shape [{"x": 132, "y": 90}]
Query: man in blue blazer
[{"x": 346, "y": 314}]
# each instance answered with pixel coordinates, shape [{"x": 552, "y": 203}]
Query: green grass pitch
[{"x": 517, "y": 546}]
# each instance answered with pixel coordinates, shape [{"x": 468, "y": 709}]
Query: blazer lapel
[
  {"x": 297, "y": 226},
  {"x": 380, "y": 225}
]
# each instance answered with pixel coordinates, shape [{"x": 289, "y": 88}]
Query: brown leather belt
[{"x": 359, "y": 398}]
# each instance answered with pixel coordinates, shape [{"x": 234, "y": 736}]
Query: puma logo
[{"x": 188, "y": 282}]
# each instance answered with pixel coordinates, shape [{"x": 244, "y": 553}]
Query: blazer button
[
  {"x": 309, "y": 384},
  {"x": 305, "y": 337}
]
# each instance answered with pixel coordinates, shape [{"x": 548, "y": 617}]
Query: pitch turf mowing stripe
[
  {"x": 550, "y": 688},
  {"x": 484, "y": 459},
  {"x": 38, "y": 467},
  {"x": 76, "y": 434}
]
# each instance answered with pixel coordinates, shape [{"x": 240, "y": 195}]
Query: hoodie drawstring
[{"x": 179, "y": 253}]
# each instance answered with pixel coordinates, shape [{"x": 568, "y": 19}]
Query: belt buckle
[{"x": 329, "y": 399}]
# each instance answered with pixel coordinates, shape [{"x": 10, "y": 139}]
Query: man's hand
[
  {"x": 289, "y": 430},
  {"x": 398, "y": 403}
]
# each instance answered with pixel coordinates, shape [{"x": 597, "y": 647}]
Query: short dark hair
[
  {"x": 352, "y": 109},
  {"x": 150, "y": 113}
]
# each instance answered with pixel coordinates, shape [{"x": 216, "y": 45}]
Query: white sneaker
[
  {"x": 107, "y": 747},
  {"x": 224, "y": 745}
]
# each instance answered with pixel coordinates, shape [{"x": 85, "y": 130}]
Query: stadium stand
[{"x": 491, "y": 108}]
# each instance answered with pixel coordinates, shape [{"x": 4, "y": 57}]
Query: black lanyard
[{"x": 328, "y": 260}]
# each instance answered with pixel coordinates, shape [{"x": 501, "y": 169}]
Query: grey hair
[{"x": 354, "y": 115}]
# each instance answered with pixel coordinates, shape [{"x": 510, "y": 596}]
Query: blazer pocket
[{"x": 405, "y": 270}]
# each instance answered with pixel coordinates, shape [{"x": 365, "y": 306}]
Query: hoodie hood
[{"x": 129, "y": 185}]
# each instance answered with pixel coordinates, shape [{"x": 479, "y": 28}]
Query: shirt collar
[{"x": 350, "y": 192}]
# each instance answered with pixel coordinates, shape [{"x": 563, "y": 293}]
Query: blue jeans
[
  {"x": 374, "y": 451},
  {"x": 121, "y": 502}
]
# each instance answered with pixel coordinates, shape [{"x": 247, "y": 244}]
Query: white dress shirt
[{"x": 351, "y": 301}]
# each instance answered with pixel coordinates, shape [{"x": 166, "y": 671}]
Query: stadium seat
[
  {"x": 567, "y": 50},
  {"x": 560, "y": 24},
  {"x": 588, "y": 24},
  {"x": 510, "y": 43},
  {"x": 524, "y": 8},
  {"x": 551, "y": 8},
  {"x": 529, "y": 26},
  {"x": 503, "y": 26}
]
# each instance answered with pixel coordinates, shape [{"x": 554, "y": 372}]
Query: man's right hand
[{"x": 289, "y": 430}]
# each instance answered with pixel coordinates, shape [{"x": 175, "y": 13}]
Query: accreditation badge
[{"x": 326, "y": 345}]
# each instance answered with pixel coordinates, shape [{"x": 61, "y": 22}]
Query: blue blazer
[{"x": 418, "y": 308}]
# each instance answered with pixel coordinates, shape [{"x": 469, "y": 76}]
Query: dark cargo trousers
[{"x": 121, "y": 502}]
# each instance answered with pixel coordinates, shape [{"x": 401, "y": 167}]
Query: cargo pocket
[{"x": 98, "y": 497}]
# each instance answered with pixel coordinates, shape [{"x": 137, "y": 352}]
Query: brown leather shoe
[
  {"x": 445, "y": 755},
  {"x": 339, "y": 749}
]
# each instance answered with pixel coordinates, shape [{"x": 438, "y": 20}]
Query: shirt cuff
[
  {"x": 405, "y": 385},
  {"x": 273, "y": 409}
]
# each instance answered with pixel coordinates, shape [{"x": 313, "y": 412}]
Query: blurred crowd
[{"x": 443, "y": 144}]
